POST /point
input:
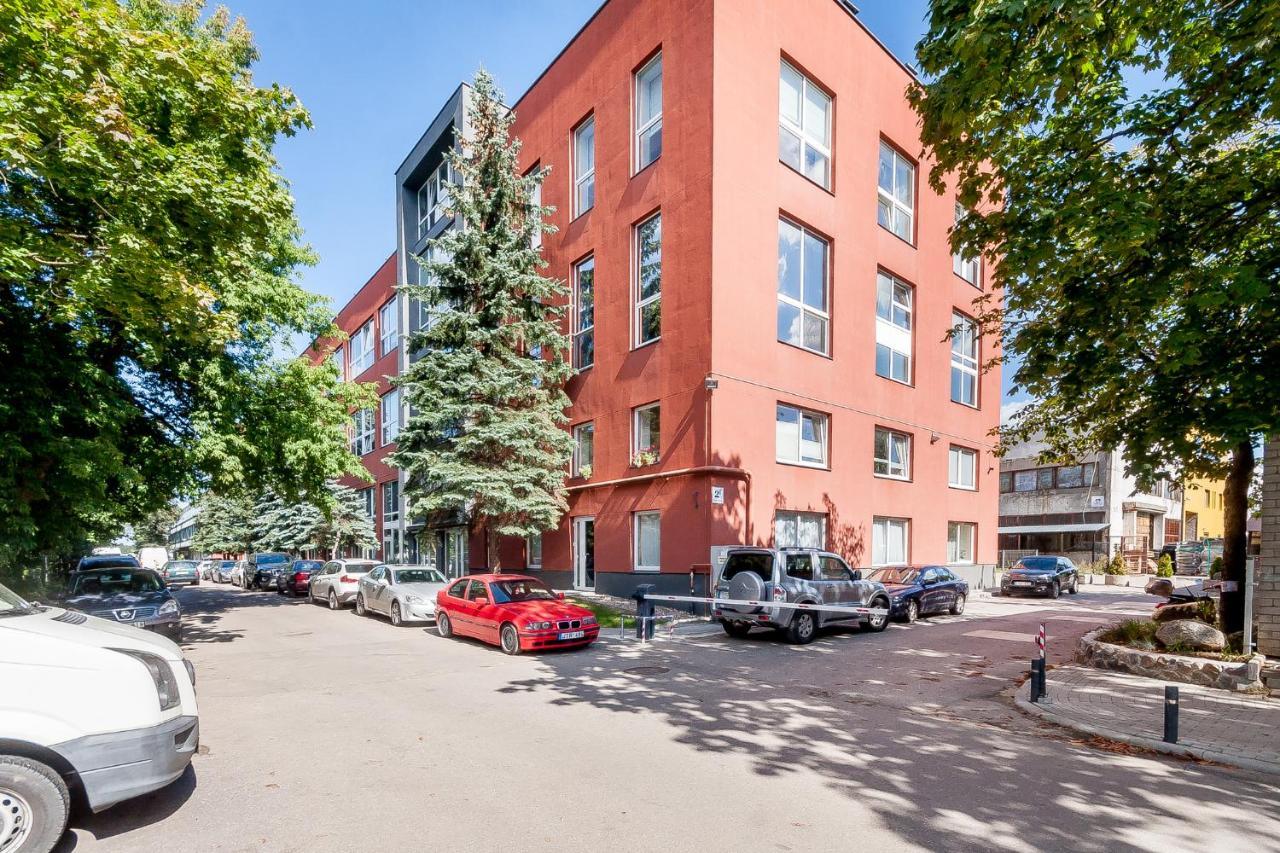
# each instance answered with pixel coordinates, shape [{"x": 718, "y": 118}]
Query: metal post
[
  {"x": 1170, "y": 713},
  {"x": 644, "y": 611},
  {"x": 1036, "y": 664},
  {"x": 1246, "y": 642}
]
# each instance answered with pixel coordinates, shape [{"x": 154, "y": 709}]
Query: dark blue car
[
  {"x": 137, "y": 597},
  {"x": 916, "y": 591}
]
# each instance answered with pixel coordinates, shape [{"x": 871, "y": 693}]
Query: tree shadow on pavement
[
  {"x": 203, "y": 608},
  {"x": 130, "y": 815}
]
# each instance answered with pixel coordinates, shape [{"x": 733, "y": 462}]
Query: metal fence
[{"x": 1009, "y": 557}]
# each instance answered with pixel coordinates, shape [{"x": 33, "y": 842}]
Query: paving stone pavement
[{"x": 1231, "y": 728}]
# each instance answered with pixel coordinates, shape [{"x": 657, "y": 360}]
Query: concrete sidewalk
[{"x": 1213, "y": 724}]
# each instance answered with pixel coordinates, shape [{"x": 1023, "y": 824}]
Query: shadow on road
[
  {"x": 132, "y": 815},
  {"x": 205, "y": 606}
]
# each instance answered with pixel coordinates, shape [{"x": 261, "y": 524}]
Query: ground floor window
[
  {"x": 799, "y": 529},
  {"x": 391, "y": 545},
  {"x": 960, "y": 541},
  {"x": 533, "y": 547},
  {"x": 889, "y": 540},
  {"x": 648, "y": 542}
]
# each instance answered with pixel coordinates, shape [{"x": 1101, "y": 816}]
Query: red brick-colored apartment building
[{"x": 762, "y": 291}]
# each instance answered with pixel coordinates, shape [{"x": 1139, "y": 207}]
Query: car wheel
[
  {"x": 396, "y": 618},
  {"x": 34, "y": 805},
  {"x": 735, "y": 629},
  {"x": 443, "y": 626},
  {"x": 957, "y": 606},
  {"x": 879, "y": 623},
  {"x": 360, "y": 610},
  {"x": 311, "y": 596},
  {"x": 1055, "y": 590},
  {"x": 913, "y": 611},
  {"x": 333, "y": 600},
  {"x": 510, "y": 639},
  {"x": 803, "y": 628},
  {"x": 1075, "y": 585}
]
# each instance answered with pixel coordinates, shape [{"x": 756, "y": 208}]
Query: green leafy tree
[
  {"x": 225, "y": 524},
  {"x": 487, "y": 395},
  {"x": 147, "y": 250},
  {"x": 343, "y": 522},
  {"x": 1123, "y": 163},
  {"x": 153, "y": 528}
]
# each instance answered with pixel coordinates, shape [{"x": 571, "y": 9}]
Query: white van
[
  {"x": 89, "y": 709},
  {"x": 153, "y": 556}
]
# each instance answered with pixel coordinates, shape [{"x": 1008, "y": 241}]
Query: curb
[{"x": 1178, "y": 749}]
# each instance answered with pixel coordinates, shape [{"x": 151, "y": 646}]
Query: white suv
[{"x": 338, "y": 581}]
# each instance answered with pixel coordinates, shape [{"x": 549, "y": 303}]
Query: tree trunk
[
  {"x": 1235, "y": 504},
  {"x": 491, "y": 544}
]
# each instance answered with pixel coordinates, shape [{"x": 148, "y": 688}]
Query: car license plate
[
  {"x": 572, "y": 635},
  {"x": 139, "y": 624},
  {"x": 1022, "y": 583}
]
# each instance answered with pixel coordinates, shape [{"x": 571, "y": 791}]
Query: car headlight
[
  {"x": 413, "y": 599},
  {"x": 588, "y": 620},
  {"x": 161, "y": 675},
  {"x": 169, "y": 608},
  {"x": 537, "y": 626}
]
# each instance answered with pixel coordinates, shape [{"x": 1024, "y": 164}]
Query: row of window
[
  {"x": 1052, "y": 477},
  {"x": 890, "y": 537},
  {"x": 646, "y": 297},
  {"x": 364, "y": 431},
  {"x": 362, "y": 351}
]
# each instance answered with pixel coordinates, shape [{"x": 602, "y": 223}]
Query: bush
[
  {"x": 1215, "y": 568},
  {"x": 1139, "y": 633},
  {"x": 1164, "y": 568},
  {"x": 1117, "y": 566}
]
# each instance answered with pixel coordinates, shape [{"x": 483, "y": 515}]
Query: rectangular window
[
  {"x": 584, "y": 314},
  {"x": 960, "y": 541},
  {"x": 362, "y": 432},
  {"x": 362, "y": 349},
  {"x": 803, "y": 315},
  {"x": 1089, "y": 474},
  {"x": 804, "y": 126},
  {"x": 584, "y": 449},
  {"x": 390, "y": 416},
  {"x": 340, "y": 362},
  {"x": 889, "y": 538},
  {"x": 894, "y": 307},
  {"x": 646, "y": 432},
  {"x": 964, "y": 360},
  {"x": 389, "y": 320},
  {"x": 897, "y": 187},
  {"x": 433, "y": 198},
  {"x": 648, "y": 547},
  {"x": 801, "y": 436},
  {"x": 649, "y": 112},
  {"x": 369, "y": 499},
  {"x": 390, "y": 502},
  {"x": 391, "y": 545},
  {"x": 584, "y": 167},
  {"x": 962, "y": 468},
  {"x": 1070, "y": 477},
  {"x": 535, "y": 211},
  {"x": 969, "y": 269},
  {"x": 533, "y": 544},
  {"x": 799, "y": 529},
  {"x": 1044, "y": 478},
  {"x": 1024, "y": 481},
  {"x": 892, "y": 454},
  {"x": 1006, "y": 481},
  {"x": 648, "y": 278}
]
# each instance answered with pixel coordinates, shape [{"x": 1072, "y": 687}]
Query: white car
[
  {"x": 236, "y": 577},
  {"x": 403, "y": 593},
  {"x": 91, "y": 706},
  {"x": 338, "y": 581}
]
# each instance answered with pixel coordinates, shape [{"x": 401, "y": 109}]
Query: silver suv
[{"x": 796, "y": 576}]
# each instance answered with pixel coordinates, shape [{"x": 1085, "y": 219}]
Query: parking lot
[{"x": 324, "y": 731}]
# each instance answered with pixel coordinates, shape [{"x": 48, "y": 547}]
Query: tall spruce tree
[{"x": 487, "y": 400}]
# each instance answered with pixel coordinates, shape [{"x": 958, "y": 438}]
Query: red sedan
[{"x": 515, "y": 612}]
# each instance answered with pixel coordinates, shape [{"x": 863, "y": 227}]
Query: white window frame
[
  {"x": 955, "y": 556},
  {"x": 389, "y": 406},
  {"x": 823, "y": 421},
  {"x": 637, "y": 526},
  {"x": 969, "y": 269},
  {"x": 800, "y": 305},
  {"x": 645, "y": 127},
  {"x": 796, "y": 519},
  {"x": 956, "y": 456},
  {"x": 894, "y": 440},
  {"x": 580, "y": 331},
  {"x": 806, "y": 137},
  {"x": 890, "y": 333},
  {"x": 339, "y": 359},
  {"x": 638, "y": 299},
  {"x": 587, "y": 177},
  {"x": 637, "y": 416},
  {"x": 880, "y": 527},
  {"x": 362, "y": 355},
  {"x": 389, "y": 332},
  {"x": 432, "y": 198},
  {"x": 534, "y": 554},
  {"x": 962, "y": 362},
  {"x": 363, "y": 435},
  {"x": 578, "y": 432},
  {"x": 898, "y": 210}
]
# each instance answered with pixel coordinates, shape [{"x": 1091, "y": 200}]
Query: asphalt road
[{"x": 327, "y": 732}]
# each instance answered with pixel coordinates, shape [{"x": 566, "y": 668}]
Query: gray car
[
  {"x": 797, "y": 576},
  {"x": 403, "y": 593}
]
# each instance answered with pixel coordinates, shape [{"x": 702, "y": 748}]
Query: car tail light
[
  {"x": 779, "y": 594},
  {"x": 346, "y": 579}
]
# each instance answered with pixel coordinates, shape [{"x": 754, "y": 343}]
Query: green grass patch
[
  {"x": 1138, "y": 633},
  {"x": 608, "y": 617}
]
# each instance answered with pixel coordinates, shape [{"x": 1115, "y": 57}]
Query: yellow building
[{"x": 1202, "y": 508}]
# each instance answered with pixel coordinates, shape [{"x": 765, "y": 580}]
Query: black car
[
  {"x": 1041, "y": 575},
  {"x": 131, "y": 596},
  {"x": 916, "y": 591},
  {"x": 260, "y": 573},
  {"x": 295, "y": 578}
]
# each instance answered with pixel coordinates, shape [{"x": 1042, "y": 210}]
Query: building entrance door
[{"x": 584, "y": 553}]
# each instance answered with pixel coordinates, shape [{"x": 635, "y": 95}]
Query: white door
[{"x": 584, "y": 553}]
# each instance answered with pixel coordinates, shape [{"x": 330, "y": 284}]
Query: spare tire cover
[{"x": 748, "y": 586}]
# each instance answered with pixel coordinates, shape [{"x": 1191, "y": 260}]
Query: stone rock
[
  {"x": 1174, "y": 612},
  {"x": 1192, "y": 634},
  {"x": 1162, "y": 587}
]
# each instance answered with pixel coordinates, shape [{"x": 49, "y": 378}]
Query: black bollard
[
  {"x": 1044, "y": 682},
  {"x": 1170, "y": 714},
  {"x": 1034, "y": 680},
  {"x": 644, "y": 611}
]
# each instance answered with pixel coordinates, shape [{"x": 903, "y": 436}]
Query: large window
[
  {"x": 804, "y": 126},
  {"x": 339, "y": 359},
  {"x": 584, "y": 449},
  {"x": 390, "y": 415},
  {"x": 389, "y": 320},
  {"x": 889, "y": 541},
  {"x": 648, "y": 278},
  {"x": 799, "y": 529},
  {"x": 960, "y": 541},
  {"x": 433, "y": 199},
  {"x": 362, "y": 349},
  {"x": 1043, "y": 479},
  {"x": 533, "y": 548},
  {"x": 584, "y": 167},
  {"x": 649, "y": 112},
  {"x": 894, "y": 306},
  {"x": 892, "y": 454},
  {"x": 584, "y": 314},
  {"x": 362, "y": 432},
  {"x": 390, "y": 502},
  {"x": 962, "y": 468},
  {"x": 803, "y": 315},
  {"x": 369, "y": 498},
  {"x": 801, "y": 436},
  {"x": 646, "y": 434},
  {"x": 648, "y": 545},
  {"x": 969, "y": 269},
  {"x": 897, "y": 180},
  {"x": 964, "y": 360}
]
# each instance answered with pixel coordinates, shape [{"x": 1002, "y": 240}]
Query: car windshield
[
  {"x": 418, "y": 576},
  {"x": 760, "y": 562},
  {"x": 11, "y": 604},
  {"x": 228, "y": 564},
  {"x": 271, "y": 559},
  {"x": 358, "y": 568},
  {"x": 307, "y": 565},
  {"x": 521, "y": 590},
  {"x": 115, "y": 581},
  {"x": 180, "y": 564},
  {"x": 1037, "y": 564},
  {"x": 894, "y": 575},
  {"x": 110, "y": 562}
]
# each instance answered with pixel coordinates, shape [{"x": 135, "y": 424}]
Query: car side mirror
[{"x": 857, "y": 574}]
